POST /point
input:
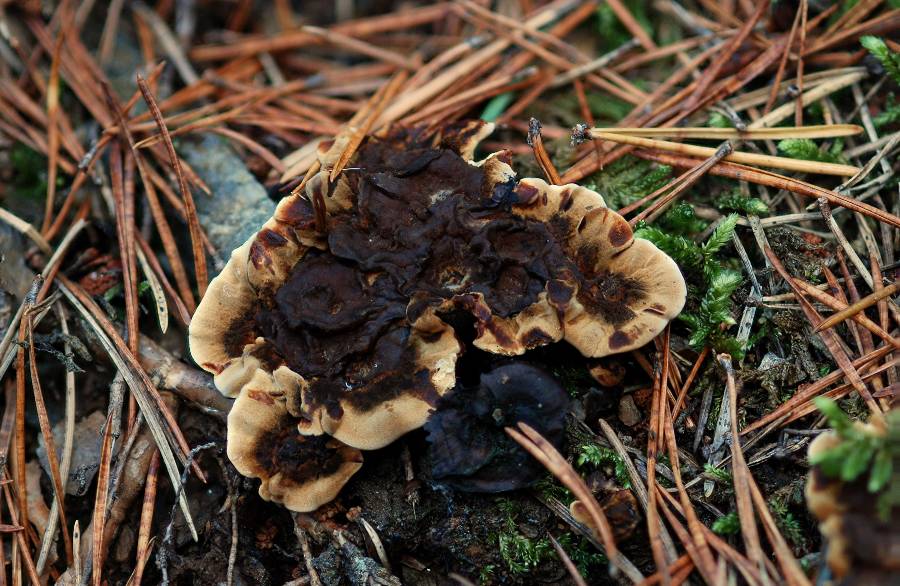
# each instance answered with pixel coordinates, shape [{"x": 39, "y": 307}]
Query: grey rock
[
  {"x": 629, "y": 414},
  {"x": 85, "y": 451},
  {"x": 238, "y": 206}
]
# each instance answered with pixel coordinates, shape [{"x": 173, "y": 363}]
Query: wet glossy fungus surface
[{"x": 424, "y": 225}]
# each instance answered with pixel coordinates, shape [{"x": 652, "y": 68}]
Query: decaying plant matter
[{"x": 334, "y": 313}]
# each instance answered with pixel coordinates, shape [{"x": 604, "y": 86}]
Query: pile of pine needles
[{"x": 624, "y": 92}]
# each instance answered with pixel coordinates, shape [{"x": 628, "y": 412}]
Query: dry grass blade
[
  {"x": 702, "y": 132},
  {"x": 547, "y": 455},
  {"x": 734, "y": 156},
  {"x": 856, "y": 308},
  {"x": 188, "y": 200}
]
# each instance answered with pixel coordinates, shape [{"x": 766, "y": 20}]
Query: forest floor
[{"x": 754, "y": 142}]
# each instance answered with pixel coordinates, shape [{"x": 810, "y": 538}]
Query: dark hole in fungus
[{"x": 469, "y": 448}]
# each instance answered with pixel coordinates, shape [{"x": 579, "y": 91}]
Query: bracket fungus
[{"x": 336, "y": 309}]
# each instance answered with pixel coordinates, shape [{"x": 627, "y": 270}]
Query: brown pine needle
[
  {"x": 547, "y": 455},
  {"x": 768, "y": 178},
  {"x": 189, "y": 208},
  {"x": 370, "y": 113},
  {"x": 828, "y": 337},
  {"x": 741, "y": 472},
  {"x": 100, "y": 509},
  {"x": 567, "y": 562},
  {"x": 735, "y": 156},
  {"x": 47, "y": 433},
  {"x": 146, "y": 523},
  {"x": 536, "y": 142},
  {"x": 159, "y": 218},
  {"x": 861, "y": 305},
  {"x": 807, "y": 393},
  {"x": 702, "y": 132},
  {"x": 859, "y": 317},
  {"x": 52, "y": 133}
]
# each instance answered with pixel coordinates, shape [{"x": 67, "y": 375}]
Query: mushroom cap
[
  {"x": 618, "y": 292},
  {"x": 302, "y": 472}
]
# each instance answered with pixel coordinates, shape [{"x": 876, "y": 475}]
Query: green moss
[
  {"x": 888, "y": 59},
  {"x": 807, "y": 150},
  {"x": 627, "y": 180},
  {"x": 730, "y": 524},
  {"x": 582, "y": 553},
  {"x": 890, "y": 114},
  {"x": 520, "y": 553},
  {"x": 710, "y": 281},
  {"x": 591, "y": 454},
  {"x": 787, "y": 523},
  {"x": 737, "y": 202},
  {"x": 30, "y": 178}
]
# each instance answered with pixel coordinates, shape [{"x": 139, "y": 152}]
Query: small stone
[
  {"x": 629, "y": 414},
  {"x": 85, "y": 452}
]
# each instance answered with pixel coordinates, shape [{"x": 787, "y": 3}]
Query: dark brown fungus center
[
  {"x": 469, "y": 448},
  {"x": 300, "y": 458},
  {"x": 423, "y": 224}
]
